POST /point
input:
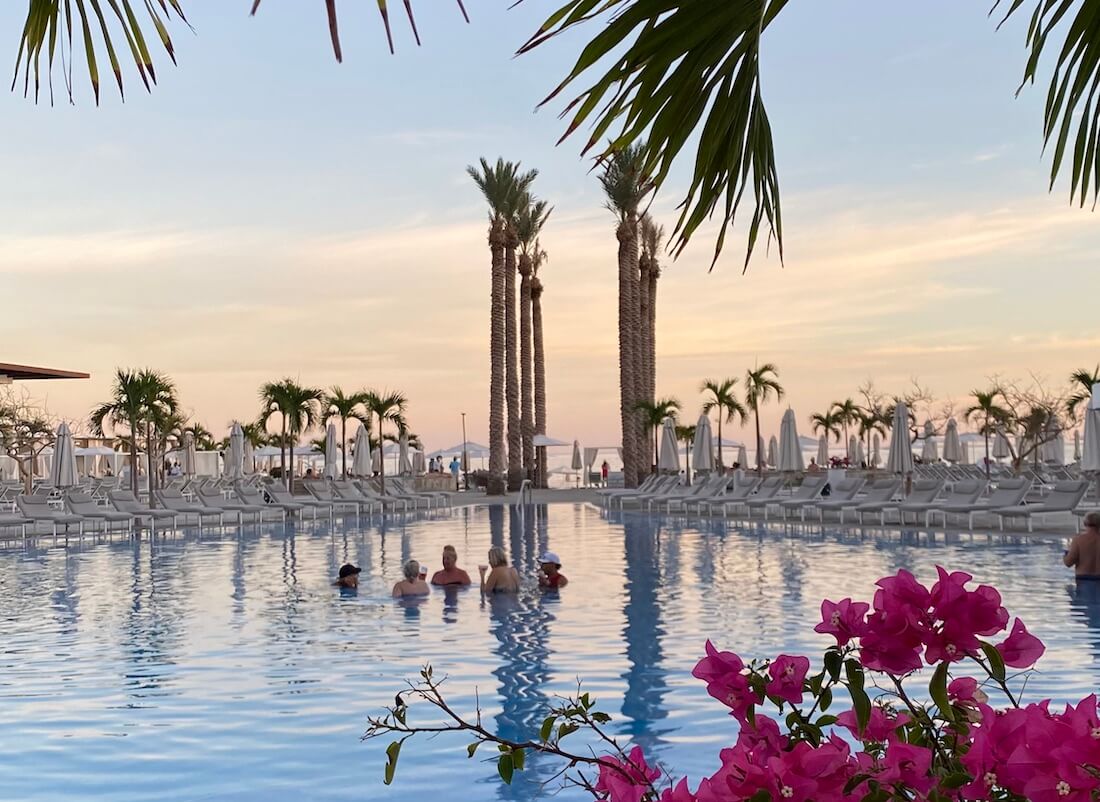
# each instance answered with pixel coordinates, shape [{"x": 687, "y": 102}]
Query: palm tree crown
[
  {"x": 345, "y": 406},
  {"x": 761, "y": 383},
  {"x": 721, "y": 396},
  {"x": 387, "y": 407},
  {"x": 1081, "y": 382}
]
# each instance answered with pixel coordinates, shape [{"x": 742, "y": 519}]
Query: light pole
[{"x": 465, "y": 456}]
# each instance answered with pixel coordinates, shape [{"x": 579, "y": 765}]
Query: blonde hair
[
  {"x": 496, "y": 557},
  {"x": 412, "y": 570},
  {"x": 450, "y": 550}
]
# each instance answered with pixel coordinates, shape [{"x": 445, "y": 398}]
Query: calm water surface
[{"x": 226, "y": 667}]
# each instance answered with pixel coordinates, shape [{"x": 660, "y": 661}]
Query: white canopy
[
  {"x": 900, "y": 458},
  {"x": 473, "y": 450},
  {"x": 669, "y": 461},
  {"x": 702, "y": 449}
]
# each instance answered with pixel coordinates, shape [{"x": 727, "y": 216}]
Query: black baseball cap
[{"x": 347, "y": 569}]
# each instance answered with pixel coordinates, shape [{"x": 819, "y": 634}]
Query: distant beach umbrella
[
  {"x": 1090, "y": 448},
  {"x": 1001, "y": 449},
  {"x": 964, "y": 452},
  {"x": 876, "y": 446},
  {"x": 63, "y": 467},
  {"x": 702, "y": 448},
  {"x": 234, "y": 457},
  {"x": 790, "y": 449},
  {"x": 742, "y": 456},
  {"x": 361, "y": 461},
  {"x": 249, "y": 457},
  {"x": 929, "y": 453},
  {"x": 900, "y": 458},
  {"x": 823, "y": 450},
  {"x": 952, "y": 446},
  {"x": 577, "y": 462},
  {"x": 188, "y": 458},
  {"x": 332, "y": 454},
  {"x": 861, "y": 455},
  {"x": 669, "y": 461},
  {"x": 773, "y": 451},
  {"x": 851, "y": 452},
  {"x": 404, "y": 463},
  {"x": 761, "y": 450},
  {"x": 1055, "y": 450}
]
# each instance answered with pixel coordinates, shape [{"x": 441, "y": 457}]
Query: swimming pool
[{"x": 226, "y": 667}]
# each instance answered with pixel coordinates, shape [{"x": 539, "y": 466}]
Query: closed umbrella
[
  {"x": 669, "y": 461},
  {"x": 1056, "y": 452},
  {"x": 702, "y": 448},
  {"x": 1076, "y": 446},
  {"x": 876, "y": 457},
  {"x": 773, "y": 451},
  {"x": 577, "y": 462},
  {"x": 404, "y": 463},
  {"x": 361, "y": 462},
  {"x": 790, "y": 449},
  {"x": 63, "y": 467},
  {"x": 234, "y": 458},
  {"x": 929, "y": 452},
  {"x": 376, "y": 461},
  {"x": 332, "y": 456},
  {"x": 852, "y": 443},
  {"x": 417, "y": 463},
  {"x": 742, "y": 456},
  {"x": 249, "y": 457},
  {"x": 861, "y": 456},
  {"x": 823, "y": 450},
  {"x": 1090, "y": 451},
  {"x": 900, "y": 458},
  {"x": 1001, "y": 449},
  {"x": 761, "y": 451},
  {"x": 952, "y": 446},
  {"x": 590, "y": 455},
  {"x": 187, "y": 455}
]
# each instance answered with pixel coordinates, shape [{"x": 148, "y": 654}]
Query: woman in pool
[
  {"x": 413, "y": 584},
  {"x": 502, "y": 578},
  {"x": 349, "y": 577}
]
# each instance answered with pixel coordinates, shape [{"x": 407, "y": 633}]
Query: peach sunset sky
[{"x": 266, "y": 212}]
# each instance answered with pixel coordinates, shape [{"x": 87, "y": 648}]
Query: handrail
[{"x": 526, "y": 493}]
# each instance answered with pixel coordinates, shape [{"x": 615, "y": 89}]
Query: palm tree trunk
[
  {"x": 511, "y": 354},
  {"x": 150, "y": 453},
  {"x": 987, "y": 448},
  {"x": 759, "y": 456},
  {"x": 651, "y": 347},
  {"x": 540, "y": 373},
  {"x": 133, "y": 458},
  {"x": 496, "y": 485},
  {"x": 525, "y": 358},
  {"x": 290, "y": 474},
  {"x": 639, "y": 368},
  {"x": 720, "y": 438},
  {"x": 381, "y": 457},
  {"x": 344, "y": 445},
  {"x": 628, "y": 257},
  {"x": 642, "y": 347},
  {"x": 282, "y": 455}
]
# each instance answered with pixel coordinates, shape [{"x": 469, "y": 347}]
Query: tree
[
  {"x": 989, "y": 414},
  {"x": 723, "y": 398},
  {"x": 26, "y": 430},
  {"x": 345, "y": 406},
  {"x": 298, "y": 408},
  {"x": 538, "y": 259},
  {"x": 761, "y": 384},
  {"x": 275, "y": 399},
  {"x": 686, "y": 435},
  {"x": 202, "y": 437},
  {"x": 530, "y": 218},
  {"x": 826, "y": 423},
  {"x": 1081, "y": 381},
  {"x": 626, "y": 185},
  {"x": 1033, "y": 415},
  {"x": 386, "y": 406},
  {"x": 652, "y": 237},
  {"x": 846, "y": 413},
  {"x": 653, "y": 414}
]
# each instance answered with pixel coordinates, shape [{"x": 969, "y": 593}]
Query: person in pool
[
  {"x": 451, "y": 573},
  {"x": 550, "y": 575},
  {"x": 412, "y": 584},
  {"x": 1083, "y": 555},
  {"x": 502, "y": 578},
  {"x": 349, "y": 576}
]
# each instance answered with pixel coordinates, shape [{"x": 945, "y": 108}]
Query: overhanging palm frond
[{"x": 679, "y": 66}]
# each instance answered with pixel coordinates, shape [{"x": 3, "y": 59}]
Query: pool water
[{"x": 226, "y": 667}]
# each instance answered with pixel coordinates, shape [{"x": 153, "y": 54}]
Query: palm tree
[
  {"x": 530, "y": 218},
  {"x": 722, "y": 398},
  {"x": 686, "y": 435},
  {"x": 626, "y": 183},
  {"x": 846, "y": 412},
  {"x": 345, "y": 406},
  {"x": 538, "y": 259},
  {"x": 652, "y": 236},
  {"x": 1081, "y": 382},
  {"x": 275, "y": 400},
  {"x": 386, "y": 406},
  {"x": 871, "y": 421},
  {"x": 303, "y": 413},
  {"x": 761, "y": 383},
  {"x": 202, "y": 437},
  {"x": 989, "y": 414},
  {"x": 826, "y": 423},
  {"x": 653, "y": 414},
  {"x": 498, "y": 184}
]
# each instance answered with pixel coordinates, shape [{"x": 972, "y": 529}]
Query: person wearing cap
[
  {"x": 451, "y": 573},
  {"x": 413, "y": 584},
  {"x": 349, "y": 576},
  {"x": 550, "y": 575}
]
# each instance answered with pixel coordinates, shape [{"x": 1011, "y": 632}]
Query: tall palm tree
[
  {"x": 761, "y": 383},
  {"x": 686, "y": 435},
  {"x": 1081, "y": 382},
  {"x": 275, "y": 399},
  {"x": 386, "y": 406},
  {"x": 530, "y": 218},
  {"x": 345, "y": 406},
  {"x": 722, "y": 397},
  {"x": 846, "y": 412},
  {"x": 989, "y": 414},
  {"x": 627, "y": 183},
  {"x": 871, "y": 421},
  {"x": 497, "y": 182},
  {"x": 538, "y": 259},
  {"x": 652, "y": 236},
  {"x": 302, "y": 414},
  {"x": 653, "y": 414},
  {"x": 202, "y": 437},
  {"x": 825, "y": 423}
]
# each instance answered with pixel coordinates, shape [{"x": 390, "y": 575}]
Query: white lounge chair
[
  {"x": 805, "y": 493},
  {"x": 736, "y": 492},
  {"x": 1062, "y": 500},
  {"x": 173, "y": 500},
  {"x": 961, "y": 494},
  {"x": 280, "y": 494},
  {"x": 922, "y": 493},
  {"x": 126, "y": 501},
  {"x": 877, "y": 496},
  {"x": 82, "y": 504},
  {"x": 37, "y": 509},
  {"x": 702, "y": 489},
  {"x": 765, "y": 491},
  {"x": 322, "y": 491},
  {"x": 255, "y": 498},
  {"x": 1008, "y": 493},
  {"x": 213, "y": 498},
  {"x": 844, "y": 491}
]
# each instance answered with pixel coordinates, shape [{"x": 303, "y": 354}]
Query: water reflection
[{"x": 1084, "y": 599}]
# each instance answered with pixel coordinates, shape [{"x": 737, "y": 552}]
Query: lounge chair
[
  {"x": 962, "y": 494},
  {"x": 126, "y": 501},
  {"x": 323, "y": 492},
  {"x": 717, "y": 491},
  {"x": 843, "y": 491},
  {"x": 255, "y": 498},
  {"x": 879, "y": 495},
  {"x": 668, "y": 489},
  {"x": 37, "y": 509},
  {"x": 1063, "y": 499},
  {"x": 10, "y": 521},
  {"x": 213, "y": 498},
  {"x": 363, "y": 493},
  {"x": 923, "y": 492},
  {"x": 82, "y": 504},
  {"x": 805, "y": 493},
  {"x": 393, "y": 490},
  {"x": 647, "y": 488},
  {"x": 704, "y": 489},
  {"x": 644, "y": 487},
  {"x": 765, "y": 492},
  {"x": 173, "y": 500},
  {"x": 278, "y": 492},
  {"x": 440, "y": 497},
  {"x": 1009, "y": 493}
]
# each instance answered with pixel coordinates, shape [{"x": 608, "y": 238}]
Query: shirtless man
[
  {"x": 451, "y": 573},
  {"x": 1083, "y": 554}
]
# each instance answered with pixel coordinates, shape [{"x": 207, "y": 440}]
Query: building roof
[{"x": 26, "y": 373}]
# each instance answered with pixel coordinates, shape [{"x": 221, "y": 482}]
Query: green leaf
[
  {"x": 547, "y": 728},
  {"x": 826, "y": 699},
  {"x": 861, "y": 703},
  {"x": 393, "y": 751},
  {"x": 505, "y": 768},
  {"x": 566, "y": 729},
  {"x": 996, "y": 662},
  {"x": 937, "y": 689},
  {"x": 472, "y": 748},
  {"x": 956, "y": 780},
  {"x": 854, "y": 672},
  {"x": 518, "y": 758},
  {"x": 833, "y": 661},
  {"x": 826, "y": 721},
  {"x": 601, "y": 718}
]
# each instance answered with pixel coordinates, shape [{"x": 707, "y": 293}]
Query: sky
[{"x": 267, "y": 212}]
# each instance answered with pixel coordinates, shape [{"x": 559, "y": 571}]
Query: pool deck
[{"x": 579, "y": 495}]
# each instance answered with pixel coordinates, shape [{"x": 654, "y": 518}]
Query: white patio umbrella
[
  {"x": 63, "y": 466},
  {"x": 702, "y": 448},
  {"x": 1001, "y": 449},
  {"x": 761, "y": 451},
  {"x": 1056, "y": 450},
  {"x": 900, "y": 458},
  {"x": 332, "y": 453},
  {"x": 1076, "y": 446},
  {"x": 790, "y": 449},
  {"x": 823, "y": 450},
  {"x": 418, "y": 463},
  {"x": 577, "y": 461},
  {"x": 669, "y": 461},
  {"x": 361, "y": 462},
  {"x": 929, "y": 452},
  {"x": 876, "y": 457},
  {"x": 773, "y": 451},
  {"x": 861, "y": 456},
  {"x": 742, "y": 456},
  {"x": 404, "y": 463},
  {"x": 952, "y": 447},
  {"x": 187, "y": 455},
  {"x": 376, "y": 461},
  {"x": 1090, "y": 451},
  {"x": 249, "y": 457},
  {"x": 964, "y": 452},
  {"x": 852, "y": 443},
  {"x": 234, "y": 457}
]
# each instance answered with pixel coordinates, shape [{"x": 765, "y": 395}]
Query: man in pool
[
  {"x": 349, "y": 576},
  {"x": 1083, "y": 555},
  {"x": 451, "y": 573},
  {"x": 550, "y": 575}
]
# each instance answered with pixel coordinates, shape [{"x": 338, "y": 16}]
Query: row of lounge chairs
[{"x": 881, "y": 499}]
